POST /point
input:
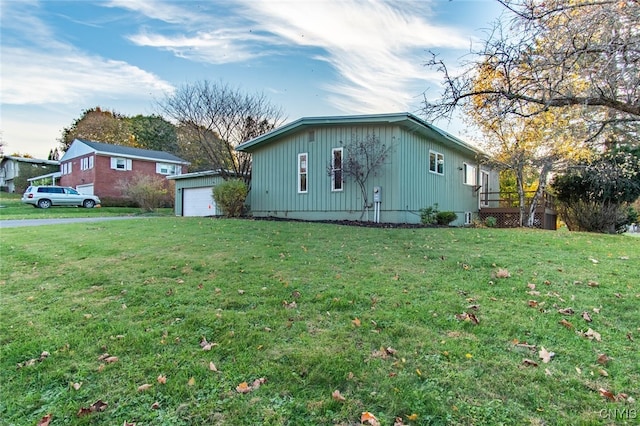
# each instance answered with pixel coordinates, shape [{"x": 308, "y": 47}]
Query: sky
[{"x": 309, "y": 57}]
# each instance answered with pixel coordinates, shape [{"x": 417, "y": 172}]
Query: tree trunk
[
  {"x": 546, "y": 168},
  {"x": 521, "y": 198}
]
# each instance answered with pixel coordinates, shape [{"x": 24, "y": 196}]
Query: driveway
[{"x": 37, "y": 222}]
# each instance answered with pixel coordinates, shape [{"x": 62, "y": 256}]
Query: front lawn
[
  {"x": 12, "y": 208},
  {"x": 192, "y": 321}
]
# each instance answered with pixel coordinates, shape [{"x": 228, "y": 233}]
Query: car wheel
[
  {"x": 44, "y": 203},
  {"x": 88, "y": 204}
]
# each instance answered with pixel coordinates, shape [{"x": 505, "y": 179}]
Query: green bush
[
  {"x": 445, "y": 218},
  {"x": 428, "y": 215},
  {"x": 491, "y": 222},
  {"x": 230, "y": 197}
]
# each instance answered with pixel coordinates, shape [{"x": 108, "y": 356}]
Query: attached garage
[
  {"x": 194, "y": 193},
  {"x": 85, "y": 189}
]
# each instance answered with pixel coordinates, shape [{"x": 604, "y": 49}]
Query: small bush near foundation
[{"x": 230, "y": 197}]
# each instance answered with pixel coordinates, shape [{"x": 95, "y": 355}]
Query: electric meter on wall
[{"x": 377, "y": 194}]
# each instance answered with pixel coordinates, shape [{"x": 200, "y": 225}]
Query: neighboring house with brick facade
[{"x": 100, "y": 168}]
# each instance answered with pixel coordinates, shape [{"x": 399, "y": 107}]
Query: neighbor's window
[
  {"x": 336, "y": 169},
  {"x": 436, "y": 162},
  {"x": 167, "y": 169},
  {"x": 302, "y": 172},
  {"x": 120, "y": 163},
  {"x": 469, "y": 174},
  {"x": 86, "y": 163}
]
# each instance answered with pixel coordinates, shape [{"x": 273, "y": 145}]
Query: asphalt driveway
[{"x": 38, "y": 222}]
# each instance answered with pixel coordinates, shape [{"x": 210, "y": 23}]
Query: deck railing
[{"x": 505, "y": 208}]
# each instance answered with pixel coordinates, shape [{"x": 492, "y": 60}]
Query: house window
[
  {"x": 484, "y": 191},
  {"x": 86, "y": 163},
  {"x": 91, "y": 162},
  {"x": 66, "y": 168},
  {"x": 436, "y": 162},
  {"x": 167, "y": 169},
  {"x": 469, "y": 174},
  {"x": 302, "y": 172},
  {"x": 336, "y": 169},
  {"x": 468, "y": 218},
  {"x": 120, "y": 163}
]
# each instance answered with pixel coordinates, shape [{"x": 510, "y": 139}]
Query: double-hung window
[
  {"x": 302, "y": 172},
  {"x": 167, "y": 169},
  {"x": 118, "y": 163},
  {"x": 436, "y": 162},
  {"x": 336, "y": 169},
  {"x": 469, "y": 174}
]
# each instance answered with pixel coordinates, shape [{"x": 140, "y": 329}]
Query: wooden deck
[{"x": 505, "y": 208}]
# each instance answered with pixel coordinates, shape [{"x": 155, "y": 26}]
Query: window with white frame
[
  {"x": 167, "y": 169},
  {"x": 336, "y": 169},
  {"x": 468, "y": 218},
  {"x": 436, "y": 162},
  {"x": 118, "y": 163},
  {"x": 302, "y": 172},
  {"x": 86, "y": 163},
  {"x": 469, "y": 174}
]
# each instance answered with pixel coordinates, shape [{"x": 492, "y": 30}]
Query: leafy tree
[
  {"x": 98, "y": 125},
  {"x": 363, "y": 158},
  {"x": 556, "y": 55},
  {"x": 595, "y": 196},
  {"x": 215, "y": 112},
  {"x": 153, "y": 132}
]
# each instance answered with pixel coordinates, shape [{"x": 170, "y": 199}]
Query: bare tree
[
  {"x": 556, "y": 54},
  {"x": 364, "y": 158},
  {"x": 215, "y": 112}
]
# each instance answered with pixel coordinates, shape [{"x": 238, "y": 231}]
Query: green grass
[
  {"x": 148, "y": 291},
  {"x": 12, "y": 208}
]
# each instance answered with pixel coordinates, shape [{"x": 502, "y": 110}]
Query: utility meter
[{"x": 377, "y": 194}]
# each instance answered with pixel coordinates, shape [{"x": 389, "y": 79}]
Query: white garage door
[
  {"x": 85, "y": 189},
  {"x": 198, "y": 202}
]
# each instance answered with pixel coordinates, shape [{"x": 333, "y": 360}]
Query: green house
[{"x": 300, "y": 171}]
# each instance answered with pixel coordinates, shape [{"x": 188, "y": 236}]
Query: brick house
[{"x": 99, "y": 168}]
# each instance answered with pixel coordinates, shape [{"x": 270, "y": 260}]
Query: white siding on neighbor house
[{"x": 198, "y": 202}]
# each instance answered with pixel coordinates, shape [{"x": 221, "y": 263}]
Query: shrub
[
  {"x": 490, "y": 222},
  {"x": 149, "y": 192},
  {"x": 230, "y": 197},
  {"x": 428, "y": 215},
  {"x": 445, "y": 218}
]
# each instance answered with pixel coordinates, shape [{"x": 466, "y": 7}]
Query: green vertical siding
[{"x": 407, "y": 185}]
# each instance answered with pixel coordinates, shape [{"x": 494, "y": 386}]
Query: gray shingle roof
[{"x": 127, "y": 151}]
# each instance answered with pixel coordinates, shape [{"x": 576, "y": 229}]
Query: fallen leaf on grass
[
  {"x": 603, "y": 359},
  {"x": 206, "y": 346},
  {"x": 356, "y": 322},
  {"x": 192, "y": 381},
  {"x": 566, "y": 324},
  {"x": 533, "y": 303},
  {"x": 97, "y": 406},
  {"x": 413, "y": 417},
  {"x": 111, "y": 359},
  {"x": 162, "y": 379},
  {"x": 607, "y": 394},
  {"x": 531, "y": 286},
  {"x": 502, "y": 273},
  {"x": 586, "y": 316},
  {"x": 45, "y": 420},
  {"x": 603, "y": 372},
  {"x": 33, "y": 361},
  {"x": 369, "y": 418},
  {"x": 76, "y": 386},
  {"x": 594, "y": 260},
  {"x": 566, "y": 311},
  {"x": 288, "y": 305},
  {"x": 212, "y": 367},
  {"x": 144, "y": 387},
  {"x": 545, "y": 355},
  {"x": 593, "y": 335},
  {"x": 466, "y": 316},
  {"x": 244, "y": 387},
  {"x": 337, "y": 396},
  {"x": 529, "y": 362},
  {"x": 155, "y": 405}
]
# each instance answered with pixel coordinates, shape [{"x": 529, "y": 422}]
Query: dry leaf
[
  {"x": 192, "y": 381},
  {"x": 77, "y": 386},
  {"x": 413, "y": 417},
  {"x": 603, "y": 359},
  {"x": 356, "y": 322},
  {"x": 531, "y": 286},
  {"x": 98, "y": 406},
  {"x": 162, "y": 379},
  {"x": 607, "y": 394},
  {"x": 466, "y": 316},
  {"x": 240, "y": 291},
  {"x": 545, "y": 355},
  {"x": 578, "y": 370},
  {"x": 369, "y": 418},
  {"x": 111, "y": 359},
  {"x": 594, "y": 260},
  {"x": 243, "y": 388},
  {"x": 547, "y": 371},
  {"x": 566, "y": 324},
  {"x": 502, "y": 273},
  {"x": 586, "y": 316},
  {"x": 155, "y": 405},
  {"x": 144, "y": 387},
  {"x": 533, "y": 303},
  {"x": 593, "y": 284},
  {"x": 593, "y": 335},
  {"x": 126, "y": 423},
  {"x": 45, "y": 420},
  {"x": 529, "y": 362},
  {"x": 212, "y": 366},
  {"x": 566, "y": 311},
  {"x": 291, "y": 305},
  {"x": 603, "y": 372},
  {"x": 337, "y": 396}
]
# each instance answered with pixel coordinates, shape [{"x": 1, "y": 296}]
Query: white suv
[{"x": 47, "y": 196}]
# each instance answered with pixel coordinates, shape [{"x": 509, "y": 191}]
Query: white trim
[
  {"x": 439, "y": 160},
  {"x": 303, "y": 170},
  {"x": 484, "y": 192},
  {"x": 334, "y": 169},
  {"x": 469, "y": 175}
]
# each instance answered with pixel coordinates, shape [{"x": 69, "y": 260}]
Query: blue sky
[{"x": 311, "y": 57}]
